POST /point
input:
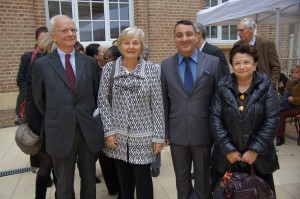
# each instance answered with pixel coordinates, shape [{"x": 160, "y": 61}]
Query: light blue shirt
[
  {"x": 72, "y": 59},
  {"x": 193, "y": 64}
]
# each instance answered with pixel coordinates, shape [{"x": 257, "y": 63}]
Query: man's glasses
[
  {"x": 67, "y": 30},
  {"x": 241, "y": 30}
]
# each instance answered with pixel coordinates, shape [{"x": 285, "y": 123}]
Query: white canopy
[{"x": 263, "y": 11}]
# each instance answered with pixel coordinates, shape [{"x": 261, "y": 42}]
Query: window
[
  {"x": 97, "y": 20},
  {"x": 220, "y": 34}
]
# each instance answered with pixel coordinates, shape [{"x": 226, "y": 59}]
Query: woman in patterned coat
[{"x": 133, "y": 119}]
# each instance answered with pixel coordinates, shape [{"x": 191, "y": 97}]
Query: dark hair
[
  {"x": 114, "y": 51},
  {"x": 185, "y": 22},
  {"x": 92, "y": 49},
  {"x": 243, "y": 48},
  {"x": 78, "y": 46},
  {"x": 40, "y": 30}
]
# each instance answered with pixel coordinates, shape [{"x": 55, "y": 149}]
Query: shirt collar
[
  {"x": 63, "y": 54},
  {"x": 201, "y": 48},
  {"x": 252, "y": 42},
  {"x": 194, "y": 56}
]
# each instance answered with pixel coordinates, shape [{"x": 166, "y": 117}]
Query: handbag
[
  {"x": 27, "y": 141},
  {"x": 242, "y": 185}
]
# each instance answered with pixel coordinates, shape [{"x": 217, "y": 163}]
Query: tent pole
[
  {"x": 298, "y": 48},
  {"x": 277, "y": 28}
]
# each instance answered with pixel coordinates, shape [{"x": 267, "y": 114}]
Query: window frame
[
  {"x": 75, "y": 16},
  {"x": 219, "y": 40}
]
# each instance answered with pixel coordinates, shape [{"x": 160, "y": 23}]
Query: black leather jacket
[{"x": 254, "y": 130}]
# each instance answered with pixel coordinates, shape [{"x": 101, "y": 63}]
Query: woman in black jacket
[{"x": 244, "y": 118}]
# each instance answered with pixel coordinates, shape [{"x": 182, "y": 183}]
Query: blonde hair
[
  {"x": 129, "y": 33},
  {"x": 295, "y": 67},
  {"x": 47, "y": 44}
]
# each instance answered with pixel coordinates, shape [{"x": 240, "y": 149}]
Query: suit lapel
[
  {"x": 201, "y": 65},
  {"x": 175, "y": 71},
  {"x": 56, "y": 64},
  {"x": 80, "y": 64}
]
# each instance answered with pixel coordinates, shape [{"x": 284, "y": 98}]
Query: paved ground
[{"x": 22, "y": 186}]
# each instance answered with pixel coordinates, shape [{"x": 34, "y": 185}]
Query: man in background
[{"x": 208, "y": 48}]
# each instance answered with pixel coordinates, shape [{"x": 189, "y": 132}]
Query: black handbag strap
[{"x": 252, "y": 171}]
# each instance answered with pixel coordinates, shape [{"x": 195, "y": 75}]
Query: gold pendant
[
  {"x": 241, "y": 108},
  {"x": 242, "y": 97}
]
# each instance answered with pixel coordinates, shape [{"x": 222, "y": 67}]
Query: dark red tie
[{"x": 70, "y": 72}]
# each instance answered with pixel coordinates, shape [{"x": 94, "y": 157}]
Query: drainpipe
[{"x": 291, "y": 48}]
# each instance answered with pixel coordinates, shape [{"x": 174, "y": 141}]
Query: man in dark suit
[
  {"x": 65, "y": 86},
  {"x": 208, "y": 48},
  {"x": 189, "y": 79},
  {"x": 268, "y": 61}
]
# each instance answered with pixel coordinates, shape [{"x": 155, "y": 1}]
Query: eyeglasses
[
  {"x": 65, "y": 31},
  {"x": 241, "y": 30}
]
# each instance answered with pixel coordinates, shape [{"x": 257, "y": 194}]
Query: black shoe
[
  {"x": 280, "y": 140},
  {"x": 97, "y": 180},
  {"x": 155, "y": 172},
  {"x": 192, "y": 176}
]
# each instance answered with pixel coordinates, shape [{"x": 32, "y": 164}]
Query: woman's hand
[
  {"x": 290, "y": 99},
  {"x": 111, "y": 142},
  {"x": 233, "y": 157},
  {"x": 249, "y": 156},
  {"x": 157, "y": 147}
]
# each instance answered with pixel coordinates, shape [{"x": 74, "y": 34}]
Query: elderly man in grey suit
[
  {"x": 65, "y": 87},
  {"x": 189, "y": 79}
]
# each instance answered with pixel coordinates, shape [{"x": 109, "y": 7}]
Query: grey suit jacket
[
  {"x": 61, "y": 108},
  {"x": 186, "y": 115}
]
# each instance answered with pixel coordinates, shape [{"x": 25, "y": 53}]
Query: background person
[
  {"x": 35, "y": 122},
  {"x": 208, "y": 48},
  {"x": 134, "y": 122},
  {"x": 243, "y": 119},
  {"x": 65, "y": 85},
  {"x": 293, "y": 88},
  {"x": 97, "y": 51},
  {"x": 111, "y": 54},
  {"x": 268, "y": 59},
  {"x": 26, "y": 59}
]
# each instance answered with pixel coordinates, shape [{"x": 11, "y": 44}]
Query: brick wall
[
  {"x": 158, "y": 18},
  {"x": 20, "y": 18}
]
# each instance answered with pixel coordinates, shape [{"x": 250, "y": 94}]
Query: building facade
[{"x": 20, "y": 18}]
